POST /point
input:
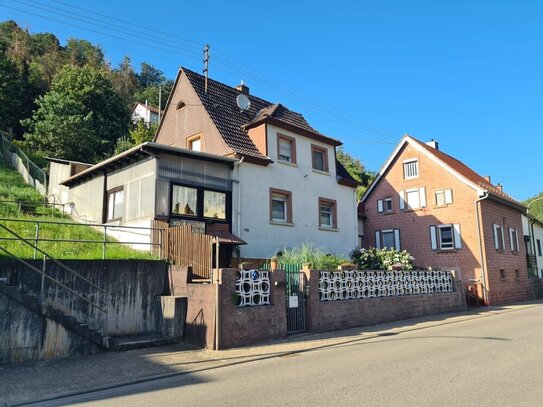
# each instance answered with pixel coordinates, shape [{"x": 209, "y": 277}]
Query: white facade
[
  {"x": 534, "y": 229},
  {"x": 251, "y": 202}
]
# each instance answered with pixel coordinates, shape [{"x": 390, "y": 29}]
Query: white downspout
[{"x": 483, "y": 264}]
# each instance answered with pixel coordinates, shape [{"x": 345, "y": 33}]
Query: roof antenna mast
[{"x": 206, "y": 64}]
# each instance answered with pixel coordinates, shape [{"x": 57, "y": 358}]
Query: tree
[
  {"x": 80, "y": 118},
  {"x": 139, "y": 134},
  {"x": 125, "y": 81},
  {"x": 10, "y": 94},
  {"x": 536, "y": 209},
  {"x": 82, "y": 52},
  {"x": 150, "y": 76},
  {"x": 356, "y": 169}
]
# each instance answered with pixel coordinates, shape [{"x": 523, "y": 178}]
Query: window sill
[
  {"x": 442, "y": 206},
  {"x": 320, "y": 171},
  {"x": 447, "y": 250},
  {"x": 288, "y": 163},
  {"x": 279, "y": 223},
  {"x": 328, "y": 229},
  {"x": 388, "y": 213}
]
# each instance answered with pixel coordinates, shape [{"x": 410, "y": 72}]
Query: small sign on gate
[{"x": 293, "y": 301}]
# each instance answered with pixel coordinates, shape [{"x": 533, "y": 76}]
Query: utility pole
[
  {"x": 206, "y": 65},
  {"x": 159, "y": 101}
]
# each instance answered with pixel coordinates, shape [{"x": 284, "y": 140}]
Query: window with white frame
[
  {"x": 413, "y": 198},
  {"x": 389, "y": 238},
  {"x": 410, "y": 169},
  {"x": 445, "y": 237},
  {"x": 499, "y": 240},
  {"x": 384, "y": 205},
  {"x": 513, "y": 240},
  {"x": 115, "y": 204},
  {"x": 327, "y": 213},
  {"x": 280, "y": 206},
  {"x": 443, "y": 197},
  {"x": 286, "y": 148}
]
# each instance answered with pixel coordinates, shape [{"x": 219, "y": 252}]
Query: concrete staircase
[{"x": 32, "y": 302}]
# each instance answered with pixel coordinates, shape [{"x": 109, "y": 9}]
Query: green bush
[
  {"x": 308, "y": 253},
  {"x": 381, "y": 259}
]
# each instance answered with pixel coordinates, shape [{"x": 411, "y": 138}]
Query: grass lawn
[{"x": 88, "y": 243}]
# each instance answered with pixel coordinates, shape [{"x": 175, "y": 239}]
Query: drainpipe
[
  {"x": 217, "y": 298},
  {"x": 483, "y": 264},
  {"x": 238, "y": 214}
]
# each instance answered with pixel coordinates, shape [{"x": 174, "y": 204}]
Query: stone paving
[{"x": 32, "y": 382}]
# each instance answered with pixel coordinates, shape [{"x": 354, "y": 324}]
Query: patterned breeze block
[
  {"x": 344, "y": 285},
  {"x": 252, "y": 288}
]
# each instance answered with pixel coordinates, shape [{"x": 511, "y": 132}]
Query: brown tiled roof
[
  {"x": 220, "y": 103},
  {"x": 466, "y": 172}
]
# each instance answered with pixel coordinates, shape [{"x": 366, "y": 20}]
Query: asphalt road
[{"x": 489, "y": 361}]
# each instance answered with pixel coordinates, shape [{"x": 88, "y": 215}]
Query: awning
[{"x": 226, "y": 237}]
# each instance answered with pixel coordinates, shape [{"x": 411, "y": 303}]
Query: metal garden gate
[{"x": 295, "y": 301}]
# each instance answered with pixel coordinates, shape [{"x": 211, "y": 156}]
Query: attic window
[{"x": 180, "y": 105}]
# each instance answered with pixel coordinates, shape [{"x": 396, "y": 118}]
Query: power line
[{"x": 334, "y": 114}]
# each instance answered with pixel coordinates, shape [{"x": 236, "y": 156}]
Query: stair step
[{"x": 139, "y": 341}]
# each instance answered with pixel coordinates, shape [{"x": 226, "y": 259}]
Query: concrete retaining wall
[{"x": 132, "y": 288}]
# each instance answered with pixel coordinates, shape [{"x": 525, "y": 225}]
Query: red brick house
[{"x": 448, "y": 216}]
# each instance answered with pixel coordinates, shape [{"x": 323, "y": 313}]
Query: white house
[
  {"x": 149, "y": 114},
  {"x": 288, "y": 186},
  {"x": 533, "y": 236}
]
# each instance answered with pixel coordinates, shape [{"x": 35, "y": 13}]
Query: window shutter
[
  {"x": 511, "y": 242},
  {"x": 516, "y": 238},
  {"x": 402, "y": 200},
  {"x": 433, "y": 237},
  {"x": 377, "y": 239},
  {"x": 448, "y": 196},
  {"x": 422, "y": 197},
  {"x": 457, "y": 237},
  {"x": 380, "y": 205},
  {"x": 397, "y": 239},
  {"x": 503, "y": 237}
]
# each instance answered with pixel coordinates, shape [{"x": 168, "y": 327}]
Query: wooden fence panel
[{"x": 184, "y": 247}]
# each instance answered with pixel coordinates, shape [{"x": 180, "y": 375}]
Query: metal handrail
[
  {"x": 58, "y": 263},
  {"x": 104, "y": 241},
  {"x": 52, "y": 279}
]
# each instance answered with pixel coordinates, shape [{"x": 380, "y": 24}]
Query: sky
[{"x": 468, "y": 74}]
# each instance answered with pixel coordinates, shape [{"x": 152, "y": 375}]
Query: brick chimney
[
  {"x": 243, "y": 88},
  {"x": 488, "y": 179},
  {"x": 500, "y": 187},
  {"x": 434, "y": 144}
]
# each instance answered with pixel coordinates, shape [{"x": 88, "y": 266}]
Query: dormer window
[
  {"x": 319, "y": 157},
  {"x": 180, "y": 105},
  {"x": 411, "y": 169},
  {"x": 286, "y": 148}
]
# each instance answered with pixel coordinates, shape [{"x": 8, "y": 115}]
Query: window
[
  {"x": 184, "y": 200},
  {"x": 115, "y": 204},
  {"x": 445, "y": 237},
  {"x": 513, "y": 240},
  {"x": 327, "y": 213},
  {"x": 319, "y": 157},
  {"x": 443, "y": 197},
  {"x": 194, "y": 143},
  {"x": 499, "y": 241},
  {"x": 180, "y": 105},
  {"x": 214, "y": 205},
  {"x": 280, "y": 206},
  {"x": 384, "y": 205},
  {"x": 538, "y": 243},
  {"x": 517, "y": 274},
  {"x": 410, "y": 169},
  {"x": 502, "y": 274},
  {"x": 413, "y": 198},
  {"x": 286, "y": 148},
  {"x": 388, "y": 239}
]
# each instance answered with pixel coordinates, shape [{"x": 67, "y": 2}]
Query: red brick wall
[
  {"x": 508, "y": 289},
  {"x": 333, "y": 315},
  {"x": 415, "y": 225}
]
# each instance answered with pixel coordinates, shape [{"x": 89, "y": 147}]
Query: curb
[{"x": 466, "y": 316}]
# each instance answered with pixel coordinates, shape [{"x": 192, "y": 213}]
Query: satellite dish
[{"x": 243, "y": 102}]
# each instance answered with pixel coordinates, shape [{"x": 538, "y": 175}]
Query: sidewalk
[{"x": 32, "y": 382}]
